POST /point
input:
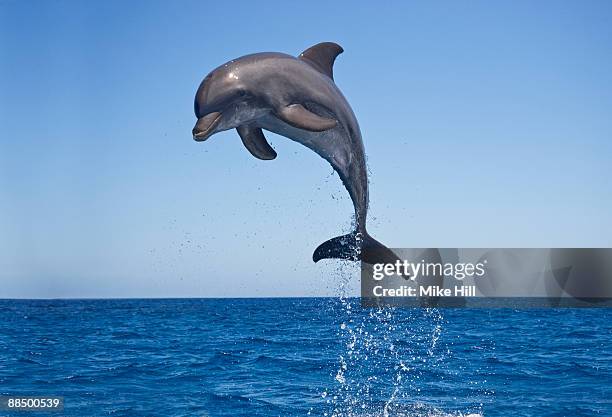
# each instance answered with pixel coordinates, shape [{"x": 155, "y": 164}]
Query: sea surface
[{"x": 304, "y": 356}]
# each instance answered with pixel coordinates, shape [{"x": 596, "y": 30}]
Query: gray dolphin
[{"x": 296, "y": 98}]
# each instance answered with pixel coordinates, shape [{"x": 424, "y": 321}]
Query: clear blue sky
[{"x": 486, "y": 124}]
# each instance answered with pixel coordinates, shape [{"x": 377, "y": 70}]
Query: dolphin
[{"x": 296, "y": 98}]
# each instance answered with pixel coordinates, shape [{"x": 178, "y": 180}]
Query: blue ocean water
[{"x": 299, "y": 357}]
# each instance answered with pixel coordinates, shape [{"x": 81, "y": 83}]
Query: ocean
[{"x": 304, "y": 357}]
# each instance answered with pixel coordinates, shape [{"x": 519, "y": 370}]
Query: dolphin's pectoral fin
[
  {"x": 322, "y": 57},
  {"x": 255, "y": 141},
  {"x": 298, "y": 116}
]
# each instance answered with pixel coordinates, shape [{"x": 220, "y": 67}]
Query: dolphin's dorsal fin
[{"x": 322, "y": 57}]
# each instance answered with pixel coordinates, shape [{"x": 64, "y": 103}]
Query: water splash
[{"x": 386, "y": 352}]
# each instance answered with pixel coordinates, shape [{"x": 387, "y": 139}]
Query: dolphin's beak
[{"x": 205, "y": 126}]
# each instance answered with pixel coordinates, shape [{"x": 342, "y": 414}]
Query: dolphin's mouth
[{"x": 205, "y": 126}]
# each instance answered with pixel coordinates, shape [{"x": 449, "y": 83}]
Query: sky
[{"x": 486, "y": 124}]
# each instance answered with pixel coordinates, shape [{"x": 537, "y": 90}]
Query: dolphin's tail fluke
[
  {"x": 354, "y": 247},
  {"x": 340, "y": 247}
]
